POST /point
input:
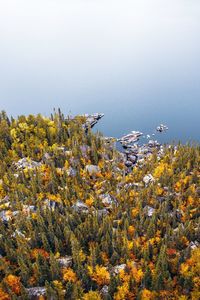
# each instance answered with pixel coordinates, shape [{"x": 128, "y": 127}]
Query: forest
[{"x": 76, "y": 223}]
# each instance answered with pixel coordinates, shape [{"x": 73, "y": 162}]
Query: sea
[{"x": 136, "y": 61}]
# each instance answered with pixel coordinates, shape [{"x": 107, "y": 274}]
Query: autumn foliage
[{"x": 103, "y": 234}]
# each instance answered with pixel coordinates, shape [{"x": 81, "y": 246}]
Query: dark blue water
[{"x": 135, "y": 60}]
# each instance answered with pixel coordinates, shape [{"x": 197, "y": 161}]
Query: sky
[{"x": 119, "y": 57}]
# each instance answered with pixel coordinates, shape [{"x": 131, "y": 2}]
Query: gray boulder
[
  {"x": 65, "y": 262},
  {"x": 36, "y": 292},
  {"x": 148, "y": 179},
  {"x": 79, "y": 207},
  {"x": 92, "y": 169},
  {"x": 115, "y": 270},
  {"x": 149, "y": 210}
]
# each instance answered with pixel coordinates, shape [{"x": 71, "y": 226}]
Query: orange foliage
[
  {"x": 3, "y": 295},
  {"x": 104, "y": 257},
  {"x": 171, "y": 251},
  {"x": 32, "y": 280},
  {"x": 14, "y": 283},
  {"x": 35, "y": 252},
  {"x": 147, "y": 295}
]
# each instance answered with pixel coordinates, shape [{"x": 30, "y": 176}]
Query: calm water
[{"x": 137, "y": 61}]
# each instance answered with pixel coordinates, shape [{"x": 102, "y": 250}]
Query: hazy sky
[{"x": 90, "y": 55}]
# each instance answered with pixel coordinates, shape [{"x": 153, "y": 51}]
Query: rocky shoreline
[{"x": 134, "y": 152}]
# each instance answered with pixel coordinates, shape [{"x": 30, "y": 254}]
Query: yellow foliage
[
  {"x": 2, "y": 192},
  {"x": 184, "y": 269},
  {"x": 130, "y": 245},
  {"x": 183, "y": 297},
  {"x": 67, "y": 165},
  {"x": 122, "y": 292},
  {"x": 159, "y": 170},
  {"x": 69, "y": 275},
  {"x": 135, "y": 212},
  {"x": 34, "y": 216},
  {"x": 133, "y": 193},
  {"x": 162, "y": 168},
  {"x": 190, "y": 200},
  {"x": 89, "y": 201},
  {"x": 99, "y": 274},
  {"x": 52, "y": 130},
  {"x": 125, "y": 277},
  {"x": 40, "y": 196},
  {"x": 57, "y": 255},
  {"x": 52, "y": 197},
  {"x": 131, "y": 230},
  {"x": 59, "y": 171},
  {"x": 101, "y": 164},
  {"x": 13, "y": 133},
  {"x": 92, "y": 295},
  {"x": 195, "y": 295},
  {"x": 23, "y": 126},
  {"x": 58, "y": 284},
  {"x": 82, "y": 255},
  {"x": 159, "y": 191},
  {"x": 192, "y": 265},
  {"x": 137, "y": 274}
]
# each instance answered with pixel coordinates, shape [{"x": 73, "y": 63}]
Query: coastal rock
[
  {"x": 46, "y": 156},
  {"x": 153, "y": 144},
  {"x": 102, "y": 212},
  {"x": 17, "y": 233},
  {"x": 130, "y": 138},
  {"x": 128, "y": 163},
  {"x": 161, "y": 128},
  {"x": 92, "y": 169},
  {"x": 194, "y": 245},
  {"x": 116, "y": 270},
  {"x": 149, "y": 210},
  {"x": 29, "y": 208},
  {"x": 50, "y": 204},
  {"x": 161, "y": 198},
  {"x": 36, "y": 292},
  {"x": 65, "y": 262},
  {"x": 71, "y": 172},
  {"x": 5, "y": 215},
  {"x": 107, "y": 200},
  {"x": 27, "y": 163},
  {"x": 92, "y": 119},
  {"x": 79, "y": 207},
  {"x": 104, "y": 290},
  {"x": 148, "y": 179},
  {"x": 84, "y": 149},
  {"x": 179, "y": 228},
  {"x": 133, "y": 158}
]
